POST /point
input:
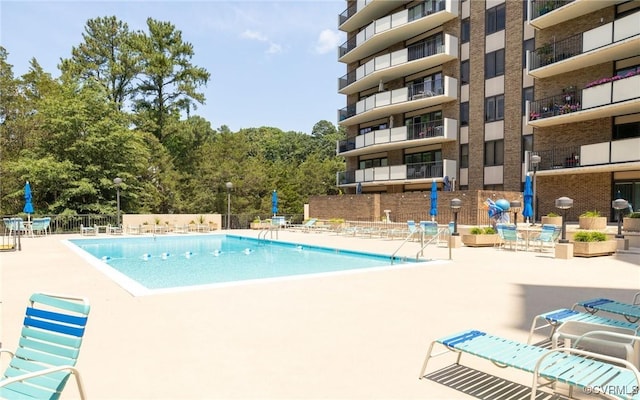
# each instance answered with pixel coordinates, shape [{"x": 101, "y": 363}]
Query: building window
[
  {"x": 373, "y": 162},
  {"x": 527, "y": 45},
  {"x": 495, "y": 19},
  {"x": 626, "y": 131},
  {"x": 368, "y": 129},
  {"x": 465, "y": 30},
  {"x": 464, "y": 114},
  {"x": 527, "y": 145},
  {"x": 494, "y": 153},
  {"x": 464, "y": 155},
  {"x": 494, "y": 108},
  {"x": 525, "y": 10},
  {"x": 494, "y": 64},
  {"x": 464, "y": 72},
  {"x": 527, "y": 95}
]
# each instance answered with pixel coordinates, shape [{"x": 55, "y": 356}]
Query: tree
[
  {"x": 169, "y": 82},
  {"x": 106, "y": 57}
]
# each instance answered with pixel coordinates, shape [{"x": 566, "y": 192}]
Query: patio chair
[
  {"x": 47, "y": 350},
  {"x": 114, "y": 229},
  {"x": 548, "y": 236},
  {"x": 15, "y": 225},
  {"x": 631, "y": 312},
  {"x": 38, "y": 226},
  {"x": 577, "y": 368},
  {"x": 510, "y": 237},
  {"x": 430, "y": 230},
  {"x": 307, "y": 226},
  {"x": 88, "y": 230},
  {"x": 556, "y": 318}
]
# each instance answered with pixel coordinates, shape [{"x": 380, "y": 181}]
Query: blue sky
[{"x": 272, "y": 63}]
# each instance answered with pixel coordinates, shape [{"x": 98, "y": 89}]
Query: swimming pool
[{"x": 147, "y": 265}]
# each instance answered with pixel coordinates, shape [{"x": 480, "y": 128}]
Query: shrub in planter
[
  {"x": 552, "y": 219},
  {"x": 631, "y": 222},
  {"x": 480, "y": 237},
  {"x": 592, "y": 220},
  {"x": 592, "y": 243}
]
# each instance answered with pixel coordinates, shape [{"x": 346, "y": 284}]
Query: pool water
[{"x": 145, "y": 264}]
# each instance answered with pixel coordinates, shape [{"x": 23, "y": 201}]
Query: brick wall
[{"x": 588, "y": 191}]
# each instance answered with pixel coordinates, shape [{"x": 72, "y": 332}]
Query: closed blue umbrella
[
  {"x": 28, "y": 207},
  {"x": 527, "y": 210},
  {"x": 359, "y": 188},
  {"x": 434, "y": 200},
  {"x": 274, "y": 203}
]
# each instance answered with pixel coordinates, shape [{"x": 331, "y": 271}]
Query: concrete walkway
[{"x": 346, "y": 336}]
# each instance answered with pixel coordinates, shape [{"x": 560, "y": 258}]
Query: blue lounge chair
[
  {"x": 547, "y": 237},
  {"x": 577, "y": 368},
  {"x": 48, "y": 348},
  {"x": 510, "y": 237},
  {"x": 307, "y": 226},
  {"x": 631, "y": 312},
  {"x": 38, "y": 226},
  {"x": 554, "y": 319}
]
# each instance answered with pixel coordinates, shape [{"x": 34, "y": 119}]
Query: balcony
[
  {"x": 423, "y": 133},
  {"x": 409, "y": 98},
  {"x": 364, "y": 11},
  {"x": 394, "y": 28},
  {"x": 616, "y": 96},
  {"x": 398, "y": 64},
  {"x": 399, "y": 174},
  {"x": 613, "y": 41},
  {"x": 618, "y": 155},
  {"x": 546, "y": 13}
]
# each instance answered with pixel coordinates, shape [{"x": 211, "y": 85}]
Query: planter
[
  {"x": 593, "y": 223},
  {"x": 594, "y": 249},
  {"x": 552, "y": 221},
  {"x": 260, "y": 225},
  {"x": 631, "y": 224},
  {"x": 479, "y": 240}
]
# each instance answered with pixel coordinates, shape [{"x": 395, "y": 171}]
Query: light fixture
[
  {"x": 455, "y": 207},
  {"x": 564, "y": 203},
  {"x": 515, "y": 204},
  {"x": 619, "y": 205}
]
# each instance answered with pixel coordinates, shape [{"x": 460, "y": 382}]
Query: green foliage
[
  {"x": 489, "y": 231},
  {"x": 590, "y": 214},
  {"x": 552, "y": 214},
  {"x": 70, "y": 136},
  {"x": 589, "y": 236},
  {"x": 633, "y": 215}
]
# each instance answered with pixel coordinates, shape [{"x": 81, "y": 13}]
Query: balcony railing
[
  {"x": 608, "y": 42},
  {"x": 561, "y": 157},
  {"x": 347, "y": 112},
  {"x": 348, "y": 13},
  {"x": 422, "y": 130},
  {"x": 430, "y": 47},
  {"x": 542, "y": 7},
  {"x": 427, "y": 170},
  {"x": 557, "y": 51},
  {"x": 390, "y": 22},
  {"x": 555, "y": 105},
  {"x": 587, "y": 155}
]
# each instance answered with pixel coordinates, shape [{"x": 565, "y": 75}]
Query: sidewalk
[{"x": 357, "y": 335}]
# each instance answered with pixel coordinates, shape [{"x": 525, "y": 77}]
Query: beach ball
[{"x": 503, "y": 205}]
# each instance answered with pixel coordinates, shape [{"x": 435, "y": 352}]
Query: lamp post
[
  {"x": 455, "y": 207},
  {"x": 619, "y": 205},
  {"x": 535, "y": 160},
  {"x": 229, "y": 186},
  {"x": 564, "y": 203},
  {"x": 117, "y": 182},
  {"x": 515, "y": 204}
]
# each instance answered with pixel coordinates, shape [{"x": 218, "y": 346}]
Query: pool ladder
[
  {"x": 270, "y": 231},
  {"x": 393, "y": 256}
]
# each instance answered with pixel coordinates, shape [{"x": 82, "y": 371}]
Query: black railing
[
  {"x": 560, "y": 104},
  {"x": 348, "y": 13},
  {"x": 562, "y": 157},
  {"x": 429, "y": 47},
  {"x": 346, "y": 145},
  {"x": 426, "y": 89},
  {"x": 347, "y": 112},
  {"x": 424, "y": 170},
  {"x": 347, "y": 47},
  {"x": 423, "y": 130},
  {"x": 426, "y": 8},
  {"x": 542, "y": 7},
  {"x": 346, "y": 80},
  {"x": 346, "y": 177},
  {"x": 554, "y": 52}
]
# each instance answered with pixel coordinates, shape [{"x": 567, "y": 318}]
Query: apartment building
[{"x": 466, "y": 92}]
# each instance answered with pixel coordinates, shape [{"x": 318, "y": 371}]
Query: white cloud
[
  {"x": 274, "y": 48},
  {"x": 328, "y": 40},
  {"x": 253, "y": 35}
]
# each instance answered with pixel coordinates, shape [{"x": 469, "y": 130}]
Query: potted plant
[
  {"x": 552, "y": 219},
  {"x": 480, "y": 237},
  {"x": 631, "y": 222},
  {"x": 592, "y": 220},
  {"x": 592, "y": 244}
]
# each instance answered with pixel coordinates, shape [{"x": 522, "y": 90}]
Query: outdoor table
[{"x": 528, "y": 232}]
